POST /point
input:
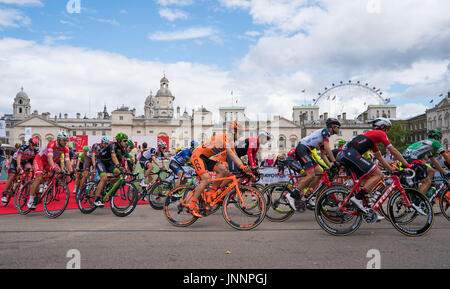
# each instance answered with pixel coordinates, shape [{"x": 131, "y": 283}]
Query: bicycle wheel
[
  {"x": 22, "y": 199},
  {"x": 278, "y": 208},
  {"x": 175, "y": 207},
  {"x": 56, "y": 200},
  {"x": 444, "y": 202},
  {"x": 329, "y": 215},
  {"x": 86, "y": 198},
  {"x": 247, "y": 215},
  {"x": 407, "y": 220},
  {"x": 158, "y": 194},
  {"x": 124, "y": 199}
]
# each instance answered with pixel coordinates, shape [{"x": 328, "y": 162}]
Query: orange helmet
[{"x": 235, "y": 126}]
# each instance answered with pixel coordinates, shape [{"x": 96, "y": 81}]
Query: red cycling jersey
[
  {"x": 56, "y": 151},
  {"x": 378, "y": 136}
]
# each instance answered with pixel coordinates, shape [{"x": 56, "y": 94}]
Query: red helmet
[
  {"x": 34, "y": 141},
  {"x": 291, "y": 153}
]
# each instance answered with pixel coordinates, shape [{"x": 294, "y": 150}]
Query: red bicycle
[
  {"x": 409, "y": 211},
  {"x": 54, "y": 195},
  {"x": 20, "y": 178}
]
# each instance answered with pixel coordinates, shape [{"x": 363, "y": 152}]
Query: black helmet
[{"x": 332, "y": 121}]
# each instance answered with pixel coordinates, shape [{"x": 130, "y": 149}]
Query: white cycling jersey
[{"x": 317, "y": 139}]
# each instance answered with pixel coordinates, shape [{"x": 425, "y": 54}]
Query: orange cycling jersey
[{"x": 217, "y": 144}]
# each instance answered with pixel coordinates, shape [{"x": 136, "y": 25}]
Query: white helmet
[
  {"x": 267, "y": 134},
  {"x": 380, "y": 122},
  {"x": 63, "y": 135},
  {"x": 162, "y": 144},
  {"x": 105, "y": 139}
]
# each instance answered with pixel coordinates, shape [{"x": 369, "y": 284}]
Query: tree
[{"x": 398, "y": 138}]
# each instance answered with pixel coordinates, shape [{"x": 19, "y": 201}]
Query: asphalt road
[{"x": 146, "y": 240}]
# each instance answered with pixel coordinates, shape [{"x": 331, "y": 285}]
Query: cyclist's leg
[
  {"x": 103, "y": 178},
  {"x": 201, "y": 168},
  {"x": 425, "y": 177},
  {"x": 12, "y": 171}
]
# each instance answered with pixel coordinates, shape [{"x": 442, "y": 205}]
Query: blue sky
[{"x": 265, "y": 51}]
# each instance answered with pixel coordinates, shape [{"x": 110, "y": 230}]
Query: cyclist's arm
[
  {"x": 397, "y": 155},
  {"x": 383, "y": 162},
  {"x": 155, "y": 160},
  {"x": 234, "y": 157},
  {"x": 437, "y": 165},
  {"x": 329, "y": 157}
]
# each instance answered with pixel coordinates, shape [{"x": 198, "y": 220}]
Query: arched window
[{"x": 282, "y": 142}]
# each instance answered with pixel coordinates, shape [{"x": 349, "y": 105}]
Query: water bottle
[
  {"x": 431, "y": 191},
  {"x": 41, "y": 188}
]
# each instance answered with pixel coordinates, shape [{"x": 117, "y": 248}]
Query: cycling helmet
[
  {"x": 291, "y": 153},
  {"x": 267, "y": 134},
  {"x": 178, "y": 150},
  {"x": 86, "y": 148},
  {"x": 194, "y": 144},
  {"x": 380, "y": 122},
  {"x": 121, "y": 136},
  {"x": 63, "y": 135},
  {"x": 34, "y": 141},
  {"x": 162, "y": 144},
  {"x": 235, "y": 126},
  {"x": 130, "y": 144},
  {"x": 434, "y": 133},
  {"x": 332, "y": 121},
  {"x": 341, "y": 142},
  {"x": 105, "y": 139}
]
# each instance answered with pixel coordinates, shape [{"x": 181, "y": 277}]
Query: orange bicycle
[{"x": 243, "y": 206}]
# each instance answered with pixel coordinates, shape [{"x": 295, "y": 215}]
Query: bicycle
[
  {"x": 405, "y": 205},
  {"x": 279, "y": 209},
  {"x": 441, "y": 195},
  {"x": 123, "y": 195},
  {"x": 235, "y": 209},
  {"x": 20, "y": 178},
  {"x": 54, "y": 194},
  {"x": 156, "y": 193}
]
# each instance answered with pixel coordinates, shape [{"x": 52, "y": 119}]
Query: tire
[
  {"x": 86, "y": 198},
  {"x": 278, "y": 208},
  {"x": 330, "y": 218},
  {"x": 22, "y": 199},
  {"x": 444, "y": 203},
  {"x": 176, "y": 213},
  {"x": 240, "y": 217},
  {"x": 158, "y": 194},
  {"x": 56, "y": 200},
  {"x": 124, "y": 200},
  {"x": 407, "y": 220}
]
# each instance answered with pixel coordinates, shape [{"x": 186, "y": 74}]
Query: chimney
[
  {"x": 178, "y": 112},
  {"x": 321, "y": 116},
  {"x": 344, "y": 116},
  {"x": 65, "y": 115},
  {"x": 100, "y": 115},
  {"x": 339, "y": 117},
  {"x": 325, "y": 116},
  {"x": 78, "y": 115}
]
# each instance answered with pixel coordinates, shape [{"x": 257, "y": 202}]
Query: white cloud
[
  {"x": 190, "y": 33},
  {"x": 13, "y": 18},
  {"x": 50, "y": 40},
  {"x": 172, "y": 14},
  {"x": 175, "y": 2},
  {"x": 107, "y": 21},
  {"x": 410, "y": 110},
  {"x": 63, "y": 78},
  {"x": 23, "y": 2}
]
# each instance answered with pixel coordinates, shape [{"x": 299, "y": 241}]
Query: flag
[
  {"x": 441, "y": 95},
  {"x": 303, "y": 91},
  {"x": 388, "y": 100},
  {"x": 432, "y": 101},
  {"x": 378, "y": 89},
  {"x": 334, "y": 97}
]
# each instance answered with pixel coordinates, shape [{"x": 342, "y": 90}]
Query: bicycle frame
[
  {"x": 113, "y": 188},
  {"x": 386, "y": 193}
]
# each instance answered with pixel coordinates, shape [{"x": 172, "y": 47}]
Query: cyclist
[
  {"x": 203, "y": 164},
  {"x": 318, "y": 139},
  {"x": 429, "y": 148},
  {"x": 109, "y": 161},
  {"x": 23, "y": 158},
  {"x": 79, "y": 166},
  {"x": 130, "y": 160},
  {"x": 89, "y": 161},
  {"x": 352, "y": 157},
  {"x": 2, "y": 156},
  {"x": 179, "y": 160},
  {"x": 249, "y": 147},
  {"x": 150, "y": 156},
  {"x": 48, "y": 160}
]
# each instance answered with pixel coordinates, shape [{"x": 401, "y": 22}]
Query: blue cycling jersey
[{"x": 182, "y": 157}]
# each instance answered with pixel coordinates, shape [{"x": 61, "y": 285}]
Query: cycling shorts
[
  {"x": 176, "y": 167},
  {"x": 105, "y": 167},
  {"x": 302, "y": 154},
  {"x": 40, "y": 165},
  {"x": 12, "y": 170},
  {"x": 202, "y": 164},
  {"x": 353, "y": 160}
]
